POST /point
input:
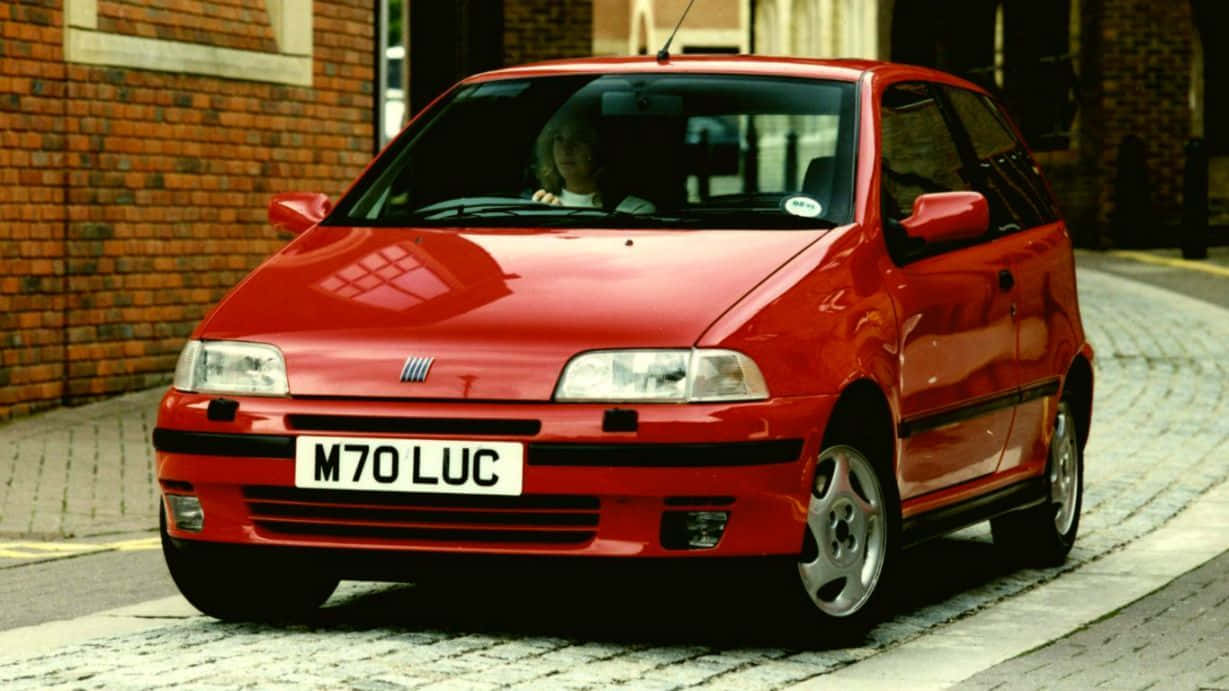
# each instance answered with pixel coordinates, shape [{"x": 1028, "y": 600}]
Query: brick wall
[
  {"x": 547, "y": 29},
  {"x": 1145, "y": 84},
  {"x": 242, "y": 24},
  {"x": 33, "y": 180},
  {"x": 132, "y": 200},
  {"x": 1135, "y": 70}
]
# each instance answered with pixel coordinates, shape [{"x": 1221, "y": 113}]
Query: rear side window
[
  {"x": 1003, "y": 171},
  {"x": 989, "y": 136},
  {"x": 919, "y": 154}
]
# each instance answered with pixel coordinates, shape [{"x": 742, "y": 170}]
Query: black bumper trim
[
  {"x": 666, "y": 455},
  {"x": 415, "y": 425},
  {"x": 216, "y": 444},
  {"x": 540, "y": 454}
]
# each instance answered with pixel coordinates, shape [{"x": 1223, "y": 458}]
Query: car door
[
  {"x": 1038, "y": 249},
  {"x": 958, "y": 371}
]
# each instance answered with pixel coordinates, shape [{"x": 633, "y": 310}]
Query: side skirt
[{"x": 1021, "y": 495}]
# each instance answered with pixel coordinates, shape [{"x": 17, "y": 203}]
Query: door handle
[{"x": 1006, "y": 280}]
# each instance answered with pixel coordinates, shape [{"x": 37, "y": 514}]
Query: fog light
[
  {"x": 704, "y": 528},
  {"x": 692, "y": 529},
  {"x": 186, "y": 513}
]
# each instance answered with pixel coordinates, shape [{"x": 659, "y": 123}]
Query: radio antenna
[{"x": 664, "y": 54}]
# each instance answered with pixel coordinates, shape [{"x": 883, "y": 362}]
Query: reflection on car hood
[{"x": 501, "y": 311}]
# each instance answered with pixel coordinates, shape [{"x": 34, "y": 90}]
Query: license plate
[{"x": 409, "y": 465}]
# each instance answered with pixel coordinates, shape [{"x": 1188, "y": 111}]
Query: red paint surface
[
  {"x": 503, "y": 310},
  {"x": 295, "y": 212},
  {"x": 948, "y": 217}
]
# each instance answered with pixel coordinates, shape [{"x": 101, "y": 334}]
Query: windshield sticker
[{"x": 802, "y": 205}]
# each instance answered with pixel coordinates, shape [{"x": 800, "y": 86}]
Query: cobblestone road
[{"x": 1160, "y": 438}]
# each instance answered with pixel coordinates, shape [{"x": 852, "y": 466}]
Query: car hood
[{"x": 501, "y": 311}]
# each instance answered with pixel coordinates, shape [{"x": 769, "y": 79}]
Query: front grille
[
  {"x": 535, "y": 518},
  {"x": 415, "y": 425}
]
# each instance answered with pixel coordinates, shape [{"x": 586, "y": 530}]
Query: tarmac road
[{"x": 66, "y": 588}]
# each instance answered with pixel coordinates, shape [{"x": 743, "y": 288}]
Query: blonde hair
[{"x": 548, "y": 173}]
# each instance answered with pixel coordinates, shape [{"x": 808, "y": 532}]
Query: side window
[
  {"x": 919, "y": 153},
  {"x": 1005, "y": 173}
]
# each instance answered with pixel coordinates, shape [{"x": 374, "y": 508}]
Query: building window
[
  {"x": 1039, "y": 79},
  {"x": 1019, "y": 49}
]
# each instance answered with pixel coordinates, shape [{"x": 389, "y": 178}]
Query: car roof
[{"x": 764, "y": 65}]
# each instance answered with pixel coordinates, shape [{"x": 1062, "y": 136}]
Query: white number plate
[{"x": 409, "y": 465}]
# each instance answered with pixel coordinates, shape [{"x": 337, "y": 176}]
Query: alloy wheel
[
  {"x": 1064, "y": 470},
  {"x": 846, "y": 533}
]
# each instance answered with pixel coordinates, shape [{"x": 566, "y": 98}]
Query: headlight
[
  {"x": 725, "y": 375},
  {"x": 661, "y": 375},
  {"x": 235, "y": 367}
]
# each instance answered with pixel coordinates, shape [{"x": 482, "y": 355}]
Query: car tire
[
  {"x": 850, "y": 544},
  {"x": 247, "y": 585},
  {"x": 1044, "y": 534}
]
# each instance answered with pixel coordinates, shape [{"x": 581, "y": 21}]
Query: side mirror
[
  {"x": 295, "y": 212},
  {"x": 948, "y": 217}
]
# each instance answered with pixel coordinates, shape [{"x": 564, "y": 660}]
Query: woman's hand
[{"x": 546, "y": 198}]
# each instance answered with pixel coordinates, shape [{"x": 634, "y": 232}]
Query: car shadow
[
  {"x": 719, "y": 606},
  {"x": 940, "y": 569}
]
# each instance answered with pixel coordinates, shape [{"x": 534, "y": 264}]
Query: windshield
[{"x": 712, "y": 151}]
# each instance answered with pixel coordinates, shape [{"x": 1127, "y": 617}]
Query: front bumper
[{"x": 586, "y": 492}]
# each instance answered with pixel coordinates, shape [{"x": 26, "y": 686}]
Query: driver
[{"x": 570, "y": 169}]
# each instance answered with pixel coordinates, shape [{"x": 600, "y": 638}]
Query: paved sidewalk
[
  {"x": 1177, "y": 638},
  {"x": 80, "y": 472}
]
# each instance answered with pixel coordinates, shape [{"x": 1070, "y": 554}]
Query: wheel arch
[
  {"x": 862, "y": 415},
  {"x": 1077, "y": 387}
]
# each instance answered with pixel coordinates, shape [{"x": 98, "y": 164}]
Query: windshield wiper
[
  {"x": 472, "y": 206},
  {"x": 487, "y": 207},
  {"x": 516, "y": 211},
  {"x": 753, "y": 217}
]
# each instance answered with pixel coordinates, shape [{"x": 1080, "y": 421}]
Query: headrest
[{"x": 818, "y": 179}]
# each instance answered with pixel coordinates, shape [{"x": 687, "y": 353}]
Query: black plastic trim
[
  {"x": 499, "y": 427},
  {"x": 666, "y": 455},
  {"x": 699, "y": 501},
  {"x": 932, "y": 524},
  {"x": 222, "y": 409},
  {"x": 620, "y": 420},
  {"x": 1048, "y": 388},
  {"x": 218, "y": 444},
  {"x": 908, "y": 428}
]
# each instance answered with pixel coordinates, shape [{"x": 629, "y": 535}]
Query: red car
[{"x": 559, "y": 316}]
